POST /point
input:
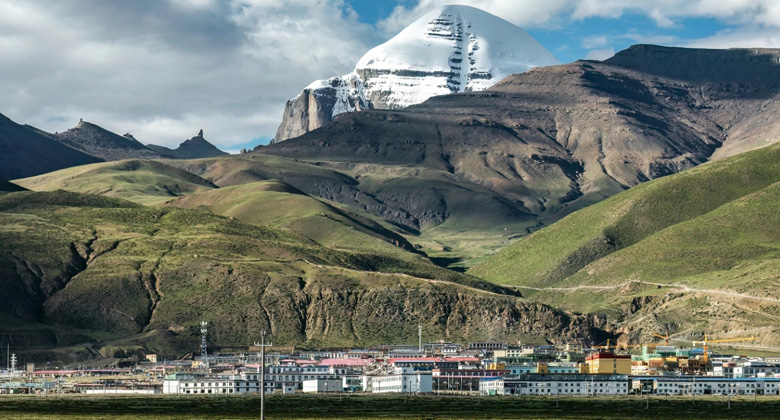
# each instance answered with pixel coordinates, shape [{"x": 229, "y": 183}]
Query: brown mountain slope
[{"x": 553, "y": 139}]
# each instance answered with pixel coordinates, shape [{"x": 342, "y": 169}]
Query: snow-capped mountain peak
[{"x": 448, "y": 50}]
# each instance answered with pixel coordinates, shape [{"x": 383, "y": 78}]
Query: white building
[
  {"x": 285, "y": 379},
  {"x": 189, "y": 383},
  {"x": 318, "y": 386},
  {"x": 403, "y": 380},
  {"x": 543, "y": 384},
  {"x": 281, "y": 376},
  {"x": 756, "y": 369},
  {"x": 716, "y": 386}
]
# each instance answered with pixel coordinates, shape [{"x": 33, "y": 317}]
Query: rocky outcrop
[
  {"x": 194, "y": 148},
  {"x": 319, "y": 103},
  {"x": 451, "y": 49}
]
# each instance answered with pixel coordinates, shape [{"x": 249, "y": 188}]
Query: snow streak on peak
[{"x": 448, "y": 50}]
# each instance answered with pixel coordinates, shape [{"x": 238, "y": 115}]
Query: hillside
[
  {"x": 110, "y": 270},
  {"x": 141, "y": 181},
  {"x": 101, "y": 143},
  {"x": 25, "y": 152},
  {"x": 541, "y": 144},
  {"x": 690, "y": 252},
  {"x": 274, "y": 203}
]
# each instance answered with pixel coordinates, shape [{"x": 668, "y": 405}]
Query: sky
[{"x": 163, "y": 69}]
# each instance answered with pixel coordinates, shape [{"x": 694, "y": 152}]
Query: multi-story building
[
  {"x": 756, "y": 369},
  {"x": 541, "y": 384},
  {"x": 695, "y": 385},
  {"x": 608, "y": 363},
  {"x": 462, "y": 380},
  {"x": 283, "y": 379},
  {"x": 279, "y": 376},
  {"x": 402, "y": 380},
  {"x": 193, "y": 383},
  {"x": 486, "y": 346}
]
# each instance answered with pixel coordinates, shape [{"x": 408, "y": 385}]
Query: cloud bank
[{"x": 163, "y": 69}]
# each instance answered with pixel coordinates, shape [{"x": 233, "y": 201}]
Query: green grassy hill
[
  {"x": 120, "y": 274},
  {"x": 474, "y": 219},
  {"x": 142, "y": 181},
  {"x": 274, "y": 203},
  {"x": 696, "y": 251}
]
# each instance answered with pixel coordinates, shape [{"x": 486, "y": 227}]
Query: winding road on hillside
[{"x": 680, "y": 287}]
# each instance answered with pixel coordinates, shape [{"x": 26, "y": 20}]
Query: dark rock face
[
  {"x": 25, "y": 151},
  {"x": 194, "y": 148},
  {"x": 556, "y": 138},
  {"x": 6, "y": 186},
  {"x": 315, "y": 107}
]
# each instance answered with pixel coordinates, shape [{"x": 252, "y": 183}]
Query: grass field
[
  {"x": 692, "y": 252},
  {"x": 385, "y": 407}
]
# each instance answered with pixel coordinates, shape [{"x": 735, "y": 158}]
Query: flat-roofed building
[
  {"x": 541, "y": 384},
  {"x": 403, "y": 380},
  {"x": 608, "y": 363},
  {"x": 690, "y": 385}
]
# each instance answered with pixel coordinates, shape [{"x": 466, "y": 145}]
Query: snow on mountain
[{"x": 451, "y": 49}]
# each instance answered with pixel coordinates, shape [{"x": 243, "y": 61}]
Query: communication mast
[{"x": 203, "y": 334}]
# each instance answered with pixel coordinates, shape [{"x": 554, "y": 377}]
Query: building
[
  {"x": 192, "y": 383},
  {"x": 542, "y": 384},
  {"x": 756, "y": 369},
  {"x": 695, "y": 385},
  {"x": 462, "y": 380},
  {"x": 486, "y": 346},
  {"x": 294, "y": 375},
  {"x": 608, "y": 363},
  {"x": 402, "y": 380},
  {"x": 319, "y": 386}
]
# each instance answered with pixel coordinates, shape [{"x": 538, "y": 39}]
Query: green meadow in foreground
[{"x": 386, "y": 407}]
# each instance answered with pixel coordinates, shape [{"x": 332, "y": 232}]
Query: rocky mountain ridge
[
  {"x": 28, "y": 151},
  {"x": 25, "y": 151},
  {"x": 101, "y": 143}
]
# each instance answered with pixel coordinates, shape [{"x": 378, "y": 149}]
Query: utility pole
[
  {"x": 262, "y": 373},
  {"x": 419, "y": 336}
]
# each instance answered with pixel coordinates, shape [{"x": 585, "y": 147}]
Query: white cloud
[
  {"x": 594, "y": 41},
  {"x": 163, "y": 70},
  {"x": 739, "y": 38},
  {"x": 533, "y": 13},
  {"x": 600, "y": 54}
]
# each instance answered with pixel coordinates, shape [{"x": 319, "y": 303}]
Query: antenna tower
[{"x": 203, "y": 334}]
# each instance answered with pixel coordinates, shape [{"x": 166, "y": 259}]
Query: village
[{"x": 440, "y": 368}]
